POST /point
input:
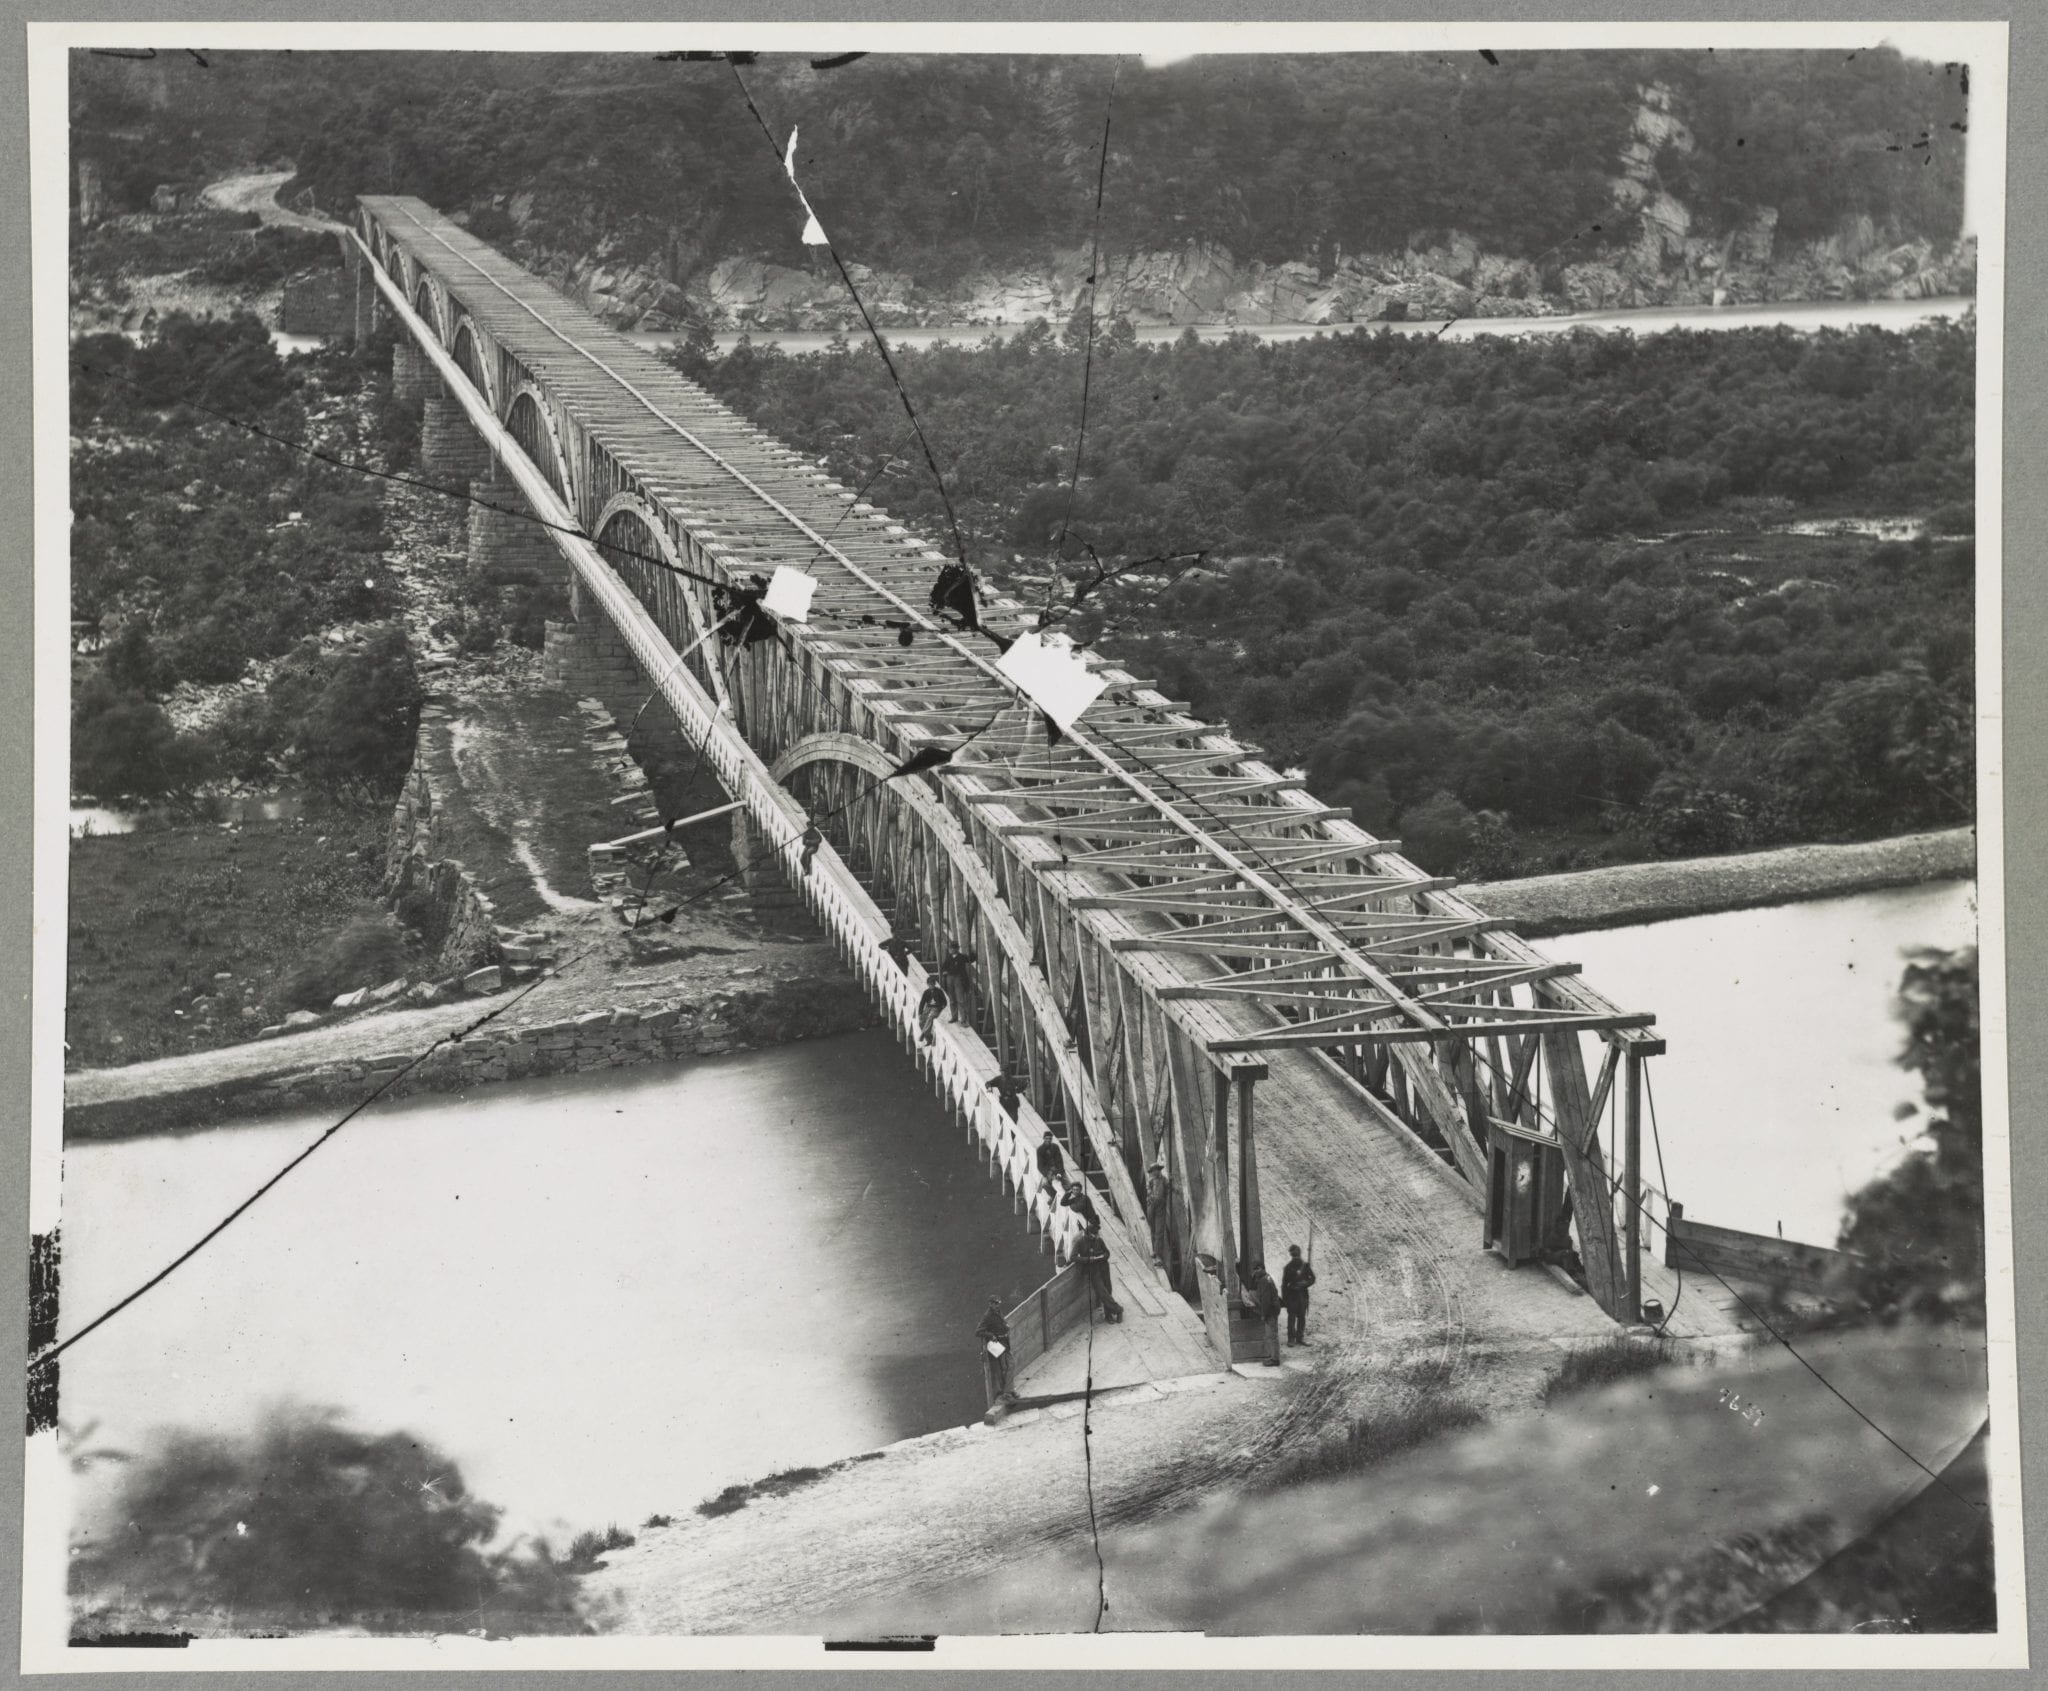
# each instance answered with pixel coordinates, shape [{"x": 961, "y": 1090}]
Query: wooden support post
[
  {"x": 1251, "y": 1231},
  {"x": 1592, "y": 1200},
  {"x": 1219, "y": 1184},
  {"x": 1632, "y": 1188}
]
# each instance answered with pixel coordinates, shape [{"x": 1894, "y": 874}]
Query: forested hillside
[
  {"x": 929, "y": 168},
  {"x": 1530, "y": 603}
]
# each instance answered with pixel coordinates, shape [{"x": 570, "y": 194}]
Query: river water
[
  {"x": 1819, "y": 314},
  {"x": 601, "y": 1295},
  {"x": 1776, "y": 1097},
  {"x": 605, "y": 1295}
]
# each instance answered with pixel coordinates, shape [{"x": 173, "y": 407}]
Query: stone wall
[{"x": 433, "y": 892}]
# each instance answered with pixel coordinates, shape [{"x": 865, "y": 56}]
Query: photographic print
[{"x": 1035, "y": 846}]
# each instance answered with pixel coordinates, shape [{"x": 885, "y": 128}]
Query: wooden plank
[{"x": 1592, "y": 1201}]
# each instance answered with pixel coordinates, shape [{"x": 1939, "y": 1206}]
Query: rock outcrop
[{"x": 1652, "y": 250}]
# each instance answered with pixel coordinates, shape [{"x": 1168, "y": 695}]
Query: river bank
[
  {"x": 1630, "y": 894},
  {"x": 579, "y": 1017}
]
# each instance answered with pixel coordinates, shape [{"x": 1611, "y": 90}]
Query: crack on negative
[{"x": 1088, "y": 1469}]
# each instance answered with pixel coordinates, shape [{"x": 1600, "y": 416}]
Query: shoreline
[
  {"x": 714, "y": 1004},
  {"x": 705, "y": 1007},
  {"x": 1637, "y": 894}
]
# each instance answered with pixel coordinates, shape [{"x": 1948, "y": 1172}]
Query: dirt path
[{"x": 257, "y": 192}]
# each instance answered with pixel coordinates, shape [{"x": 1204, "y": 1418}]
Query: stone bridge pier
[
  {"x": 451, "y": 450},
  {"x": 506, "y": 546}
]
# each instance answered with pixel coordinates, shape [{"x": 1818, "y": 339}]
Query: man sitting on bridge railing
[
  {"x": 1007, "y": 1091},
  {"x": 1076, "y": 1198},
  {"x": 929, "y": 1008},
  {"x": 1052, "y": 1166}
]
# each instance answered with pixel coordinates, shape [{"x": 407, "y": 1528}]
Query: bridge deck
[{"x": 1162, "y": 837}]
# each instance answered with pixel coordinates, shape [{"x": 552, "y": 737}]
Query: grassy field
[{"x": 157, "y": 914}]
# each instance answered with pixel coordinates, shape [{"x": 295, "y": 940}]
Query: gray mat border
[{"x": 2025, "y": 648}]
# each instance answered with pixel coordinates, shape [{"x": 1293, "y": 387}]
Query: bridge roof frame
[{"x": 1084, "y": 769}]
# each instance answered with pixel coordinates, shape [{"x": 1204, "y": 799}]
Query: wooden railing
[
  {"x": 1057, "y": 1307},
  {"x": 1750, "y": 1256}
]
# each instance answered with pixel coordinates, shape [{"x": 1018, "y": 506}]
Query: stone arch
[
  {"x": 944, "y": 833},
  {"x": 629, "y": 522},
  {"x": 531, "y": 423},
  {"x": 468, "y": 348}
]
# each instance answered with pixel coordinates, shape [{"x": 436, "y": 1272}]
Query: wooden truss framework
[{"x": 1183, "y": 912}]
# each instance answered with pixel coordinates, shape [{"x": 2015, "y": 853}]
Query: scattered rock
[
  {"x": 487, "y": 979},
  {"x": 301, "y": 1019},
  {"x": 389, "y": 990},
  {"x": 349, "y": 1000},
  {"x": 270, "y": 1032},
  {"x": 425, "y": 992}
]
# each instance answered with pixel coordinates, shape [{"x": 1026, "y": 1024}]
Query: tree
[
  {"x": 357, "y": 736},
  {"x": 1917, "y": 1231},
  {"x": 122, "y": 746},
  {"x": 1439, "y": 832}
]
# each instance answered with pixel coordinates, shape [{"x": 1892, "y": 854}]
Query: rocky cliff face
[{"x": 1654, "y": 251}]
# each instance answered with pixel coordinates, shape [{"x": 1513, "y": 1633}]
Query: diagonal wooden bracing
[{"x": 1155, "y": 913}]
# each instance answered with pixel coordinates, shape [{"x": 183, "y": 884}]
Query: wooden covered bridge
[{"x": 1179, "y": 955}]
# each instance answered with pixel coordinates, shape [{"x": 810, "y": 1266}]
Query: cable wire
[{"x": 1088, "y": 360}]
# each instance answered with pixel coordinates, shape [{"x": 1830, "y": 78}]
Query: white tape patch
[
  {"x": 1045, "y": 668},
  {"x": 789, "y": 594},
  {"x": 814, "y": 234}
]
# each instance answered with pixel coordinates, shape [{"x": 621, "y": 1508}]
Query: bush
[
  {"x": 1371, "y": 1439},
  {"x": 1592, "y": 1366},
  {"x": 587, "y": 1546},
  {"x": 367, "y": 952},
  {"x": 355, "y": 738},
  {"x": 122, "y": 746},
  {"x": 133, "y": 663},
  {"x": 1438, "y": 833},
  {"x": 246, "y": 740},
  {"x": 307, "y": 1521}
]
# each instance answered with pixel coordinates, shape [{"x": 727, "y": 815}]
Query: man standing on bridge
[
  {"x": 994, "y": 1335},
  {"x": 1157, "y": 1190},
  {"x": 1093, "y": 1256},
  {"x": 957, "y": 971},
  {"x": 1264, "y": 1297},
  {"x": 1295, "y": 1280}
]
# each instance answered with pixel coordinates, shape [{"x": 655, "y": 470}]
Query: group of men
[
  {"x": 1091, "y": 1253},
  {"x": 957, "y": 969},
  {"x": 1291, "y": 1294}
]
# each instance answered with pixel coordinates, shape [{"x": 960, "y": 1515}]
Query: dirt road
[{"x": 257, "y": 192}]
